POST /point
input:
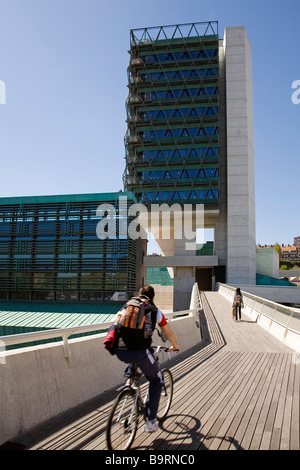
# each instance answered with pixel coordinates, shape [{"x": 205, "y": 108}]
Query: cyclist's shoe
[{"x": 151, "y": 426}]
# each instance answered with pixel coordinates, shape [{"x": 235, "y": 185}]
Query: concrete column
[
  {"x": 241, "y": 247},
  {"x": 221, "y": 220},
  {"x": 184, "y": 279}
]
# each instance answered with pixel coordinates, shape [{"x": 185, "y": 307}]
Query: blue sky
[{"x": 64, "y": 65}]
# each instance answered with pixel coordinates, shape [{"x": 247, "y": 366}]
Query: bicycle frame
[
  {"x": 133, "y": 382},
  {"x": 134, "y": 406},
  {"x": 125, "y": 418}
]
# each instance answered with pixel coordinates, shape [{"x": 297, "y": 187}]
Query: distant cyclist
[{"x": 138, "y": 351}]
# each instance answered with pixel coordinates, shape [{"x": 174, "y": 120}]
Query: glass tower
[{"x": 172, "y": 139}]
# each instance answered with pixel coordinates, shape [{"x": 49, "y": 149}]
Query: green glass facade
[
  {"x": 49, "y": 249},
  {"x": 172, "y": 139}
]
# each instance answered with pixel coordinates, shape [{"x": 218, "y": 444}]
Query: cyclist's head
[{"x": 148, "y": 291}]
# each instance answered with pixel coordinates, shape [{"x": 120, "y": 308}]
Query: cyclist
[{"x": 139, "y": 352}]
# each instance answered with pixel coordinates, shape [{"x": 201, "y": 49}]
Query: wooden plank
[
  {"x": 287, "y": 417},
  {"x": 191, "y": 390},
  {"x": 258, "y": 401},
  {"x": 281, "y": 407},
  {"x": 221, "y": 394},
  {"x": 240, "y": 416},
  {"x": 267, "y": 396},
  {"x": 204, "y": 394},
  {"x": 270, "y": 418},
  {"x": 228, "y": 432},
  {"x": 295, "y": 421},
  {"x": 233, "y": 427}
]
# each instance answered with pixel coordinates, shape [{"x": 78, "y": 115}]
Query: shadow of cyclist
[
  {"x": 175, "y": 430},
  {"x": 181, "y": 432}
]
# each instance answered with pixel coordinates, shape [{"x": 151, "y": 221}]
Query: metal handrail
[{"x": 65, "y": 333}]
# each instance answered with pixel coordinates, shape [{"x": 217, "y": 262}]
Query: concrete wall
[
  {"x": 267, "y": 262},
  {"x": 38, "y": 383},
  {"x": 164, "y": 297},
  {"x": 241, "y": 262}
]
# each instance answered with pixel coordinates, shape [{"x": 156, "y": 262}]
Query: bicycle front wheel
[
  {"x": 166, "y": 395},
  {"x": 122, "y": 422}
]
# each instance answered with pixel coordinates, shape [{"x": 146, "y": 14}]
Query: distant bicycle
[{"x": 129, "y": 406}]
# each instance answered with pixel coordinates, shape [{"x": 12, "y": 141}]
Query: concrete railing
[
  {"x": 40, "y": 382},
  {"x": 283, "y": 322}
]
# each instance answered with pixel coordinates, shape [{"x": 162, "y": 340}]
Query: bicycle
[{"x": 129, "y": 406}]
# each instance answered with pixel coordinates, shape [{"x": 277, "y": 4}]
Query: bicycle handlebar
[
  {"x": 161, "y": 348},
  {"x": 157, "y": 349}
]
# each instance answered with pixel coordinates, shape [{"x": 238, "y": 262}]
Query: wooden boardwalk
[{"x": 238, "y": 390}]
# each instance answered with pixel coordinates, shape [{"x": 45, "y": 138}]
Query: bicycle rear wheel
[
  {"x": 166, "y": 395},
  {"x": 122, "y": 421}
]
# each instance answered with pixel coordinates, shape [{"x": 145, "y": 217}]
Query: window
[
  {"x": 193, "y": 112},
  {"x": 184, "y": 174},
  {"x": 193, "y": 73},
  {"x": 193, "y": 173},
  {"x": 176, "y": 173},
  {"x": 176, "y": 75}
]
